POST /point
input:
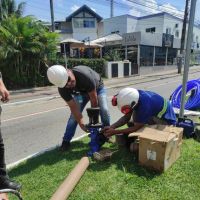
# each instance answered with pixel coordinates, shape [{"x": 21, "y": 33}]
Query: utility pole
[
  {"x": 183, "y": 36},
  {"x": 187, "y": 56},
  {"x": 111, "y": 8},
  {"x": 1, "y": 14},
  {"x": 52, "y": 16}
]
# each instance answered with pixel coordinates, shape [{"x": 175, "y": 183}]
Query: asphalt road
[{"x": 34, "y": 126}]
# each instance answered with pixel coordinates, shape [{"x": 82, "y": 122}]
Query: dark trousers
[{"x": 2, "y": 153}]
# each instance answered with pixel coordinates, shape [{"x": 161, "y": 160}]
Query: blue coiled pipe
[{"x": 193, "y": 92}]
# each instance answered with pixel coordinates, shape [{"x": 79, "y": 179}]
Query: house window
[
  {"x": 88, "y": 23},
  {"x": 114, "y": 32},
  {"x": 177, "y": 34},
  {"x": 84, "y": 23},
  {"x": 168, "y": 30},
  {"x": 151, "y": 30},
  {"x": 56, "y": 26}
]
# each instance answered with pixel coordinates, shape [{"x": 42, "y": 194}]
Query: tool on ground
[
  {"x": 104, "y": 154},
  {"x": 94, "y": 127}
]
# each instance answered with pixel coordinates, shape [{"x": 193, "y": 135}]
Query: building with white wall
[
  {"x": 160, "y": 34},
  {"x": 83, "y": 24}
]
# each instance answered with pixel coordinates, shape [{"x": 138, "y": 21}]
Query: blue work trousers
[{"x": 81, "y": 101}]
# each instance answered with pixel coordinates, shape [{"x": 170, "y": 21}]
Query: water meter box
[{"x": 158, "y": 149}]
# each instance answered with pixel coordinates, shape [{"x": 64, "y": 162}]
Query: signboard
[
  {"x": 131, "y": 38},
  {"x": 167, "y": 40}
]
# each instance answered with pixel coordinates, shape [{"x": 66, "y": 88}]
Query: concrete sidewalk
[{"x": 109, "y": 83}]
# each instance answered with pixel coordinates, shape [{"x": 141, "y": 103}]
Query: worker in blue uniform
[{"x": 140, "y": 108}]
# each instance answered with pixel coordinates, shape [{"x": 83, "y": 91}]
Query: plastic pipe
[
  {"x": 193, "y": 102},
  {"x": 72, "y": 179}
]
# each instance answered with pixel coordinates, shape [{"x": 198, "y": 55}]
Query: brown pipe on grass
[{"x": 72, "y": 179}]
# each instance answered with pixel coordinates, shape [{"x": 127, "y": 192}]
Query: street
[{"x": 34, "y": 126}]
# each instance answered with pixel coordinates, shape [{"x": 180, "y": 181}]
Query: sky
[{"x": 62, "y": 8}]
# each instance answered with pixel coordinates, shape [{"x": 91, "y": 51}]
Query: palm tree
[
  {"x": 8, "y": 8},
  {"x": 24, "y": 44}
]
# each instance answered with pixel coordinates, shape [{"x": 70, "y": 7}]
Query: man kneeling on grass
[{"x": 139, "y": 108}]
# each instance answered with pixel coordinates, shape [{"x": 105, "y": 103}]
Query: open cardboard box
[{"x": 159, "y": 146}]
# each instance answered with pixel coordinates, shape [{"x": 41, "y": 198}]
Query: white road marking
[
  {"x": 30, "y": 101},
  {"x": 33, "y": 114}
]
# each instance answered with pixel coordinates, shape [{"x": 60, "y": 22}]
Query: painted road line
[
  {"x": 33, "y": 114},
  {"x": 30, "y": 101}
]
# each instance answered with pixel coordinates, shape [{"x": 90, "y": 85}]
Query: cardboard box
[
  {"x": 176, "y": 130},
  {"x": 159, "y": 146}
]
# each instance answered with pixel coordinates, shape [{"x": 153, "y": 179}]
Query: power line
[
  {"x": 152, "y": 7},
  {"x": 173, "y": 10}
]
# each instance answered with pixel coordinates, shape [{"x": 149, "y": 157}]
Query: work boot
[
  {"x": 65, "y": 146},
  {"x": 6, "y": 183}
]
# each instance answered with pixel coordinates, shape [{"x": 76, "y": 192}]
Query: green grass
[{"x": 120, "y": 178}]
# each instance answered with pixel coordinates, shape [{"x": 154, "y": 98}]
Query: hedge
[
  {"x": 95, "y": 64},
  {"x": 40, "y": 79}
]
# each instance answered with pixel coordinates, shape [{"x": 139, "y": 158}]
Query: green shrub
[{"x": 95, "y": 64}]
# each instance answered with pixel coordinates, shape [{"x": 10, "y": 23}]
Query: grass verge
[{"x": 117, "y": 179}]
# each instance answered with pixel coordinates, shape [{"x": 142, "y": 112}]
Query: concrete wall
[
  {"x": 66, "y": 27},
  {"x": 100, "y": 29},
  {"x": 151, "y": 39},
  {"x": 83, "y": 33},
  {"x": 131, "y": 24},
  {"x": 145, "y": 23},
  {"x": 63, "y": 36},
  {"x": 171, "y": 22},
  {"x": 177, "y": 43},
  {"x": 196, "y": 38},
  {"x": 149, "y": 69},
  {"x": 115, "y": 24}
]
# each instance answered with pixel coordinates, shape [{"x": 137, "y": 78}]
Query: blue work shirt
[{"x": 149, "y": 105}]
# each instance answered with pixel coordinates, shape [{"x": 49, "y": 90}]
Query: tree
[
  {"x": 8, "y": 8},
  {"x": 25, "y": 44}
]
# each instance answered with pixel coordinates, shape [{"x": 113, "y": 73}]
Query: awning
[
  {"x": 108, "y": 38},
  {"x": 71, "y": 40},
  {"x": 92, "y": 44}
]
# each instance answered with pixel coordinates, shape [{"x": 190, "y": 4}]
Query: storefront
[{"x": 152, "y": 49}]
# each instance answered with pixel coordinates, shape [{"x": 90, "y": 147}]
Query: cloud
[{"x": 74, "y": 8}]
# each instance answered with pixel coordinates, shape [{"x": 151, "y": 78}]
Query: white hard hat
[
  {"x": 57, "y": 75},
  {"x": 126, "y": 97}
]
